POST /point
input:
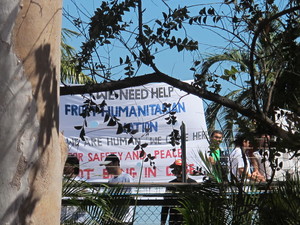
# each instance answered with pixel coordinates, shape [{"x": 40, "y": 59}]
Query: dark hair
[
  {"x": 239, "y": 139},
  {"x": 73, "y": 161},
  {"x": 112, "y": 158},
  {"x": 216, "y": 132}
]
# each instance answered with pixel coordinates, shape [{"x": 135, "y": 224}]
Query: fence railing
[{"x": 147, "y": 199}]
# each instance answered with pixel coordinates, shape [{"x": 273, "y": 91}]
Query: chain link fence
[
  {"x": 147, "y": 200},
  {"x": 145, "y": 205}
]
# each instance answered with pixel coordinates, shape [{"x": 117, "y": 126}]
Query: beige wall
[{"x": 30, "y": 155}]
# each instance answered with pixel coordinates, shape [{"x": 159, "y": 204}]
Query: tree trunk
[{"x": 30, "y": 155}]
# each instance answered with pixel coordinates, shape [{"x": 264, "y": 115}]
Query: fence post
[{"x": 183, "y": 151}]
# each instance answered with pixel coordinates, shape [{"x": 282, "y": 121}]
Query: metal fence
[
  {"x": 145, "y": 203},
  {"x": 147, "y": 200}
]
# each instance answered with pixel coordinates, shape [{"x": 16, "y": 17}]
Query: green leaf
[
  {"x": 133, "y": 131},
  {"x": 158, "y": 22},
  {"x": 130, "y": 140},
  {"x": 180, "y": 48},
  {"x": 227, "y": 72},
  {"x": 242, "y": 68},
  {"x": 142, "y": 154},
  {"x": 233, "y": 69},
  {"x": 167, "y": 105},
  {"x": 225, "y": 77},
  {"x": 211, "y": 11},
  {"x": 129, "y": 73},
  {"x": 127, "y": 126},
  {"x": 77, "y": 127},
  {"x": 106, "y": 118},
  {"x": 120, "y": 129},
  {"x": 235, "y": 19},
  {"x": 165, "y": 15},
  {"x": 82, "y": 134},
  {"x": 197, "y": 62},
  {"x": 144, "y": 145},
  {"x": 127, "y": 59},
  {"x": 199, "y": 19},
  {"x": 111, "y": 123},
  {"x": 202, "y": 11},
  {"x": 106, "y": 42},
  {"x": 103, "y": 103}
]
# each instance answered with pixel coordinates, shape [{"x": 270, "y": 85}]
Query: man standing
[
  {"x": 216, "y": 157},
  {"x": 124, "y": 214},
  {"x": 112, "y": 165},
  {"x": 71, "y": 213},
  {"x": 175, "y": 216},
  {"x": 71, "y": 168},
  {"x": 214, "y": 146}
]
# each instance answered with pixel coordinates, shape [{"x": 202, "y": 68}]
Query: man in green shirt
[
  {"x": 214, "y": 146},
  {"x": 214, "y": 155}
]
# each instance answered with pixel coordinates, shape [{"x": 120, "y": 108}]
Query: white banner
[{"x": 142, "y": 107}]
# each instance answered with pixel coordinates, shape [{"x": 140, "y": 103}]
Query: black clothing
[{"x": 175, "y": 217}]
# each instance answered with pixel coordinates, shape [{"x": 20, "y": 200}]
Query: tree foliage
[
  {"x": 68, "y": 71},
  {"x": 224, "y": 204},
  {"x": 85, "y": 204},
  {"x": 262, "y": 51}
]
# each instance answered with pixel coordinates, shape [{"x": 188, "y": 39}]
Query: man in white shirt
[
  {"x": 112, "y": 165},
  {"x": 70, "y": 213}
]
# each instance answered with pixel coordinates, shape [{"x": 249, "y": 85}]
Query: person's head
[
  {"x": 112, "y": 164},
  {"x": 263, "y": 141},
  {"x": 71, "y": 167},
  {"x": 241, "y": 140},
  {"x": 215, "y": 139},
  {"x": 176, "y": 167},
  {"x": 216, "y": 136}
]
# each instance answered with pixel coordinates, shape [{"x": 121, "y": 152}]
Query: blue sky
[
  {"x": 211, "y": 41},
  {"x": 168, "y": 61}
]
